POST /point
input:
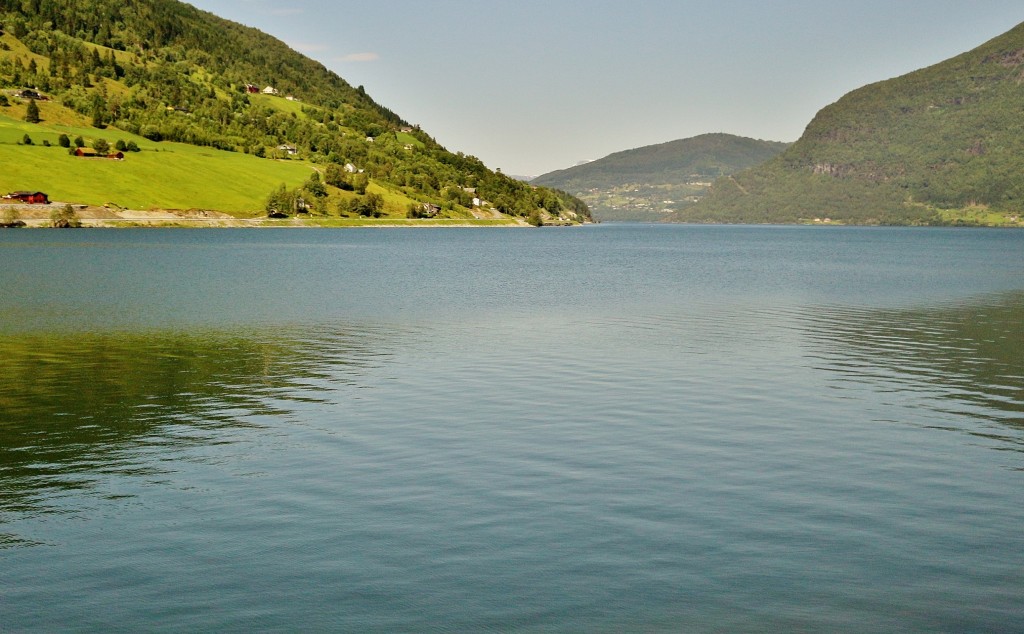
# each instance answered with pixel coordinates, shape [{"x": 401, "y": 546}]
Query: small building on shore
[{"x": 29, "y": 198}]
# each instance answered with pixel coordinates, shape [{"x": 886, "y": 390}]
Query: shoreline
[
  {"x": 91, "y": 216},
  {"x": 98, "y": 217}
]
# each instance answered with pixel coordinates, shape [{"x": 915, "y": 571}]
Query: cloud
[{"x": 359, "y": 57}]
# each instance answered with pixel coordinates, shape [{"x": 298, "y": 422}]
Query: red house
[
  {"x": 91, "y": 153},
  {"x": 30, "y": 198}
]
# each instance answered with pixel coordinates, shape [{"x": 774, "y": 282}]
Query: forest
[{"x": 941, "y": 145}]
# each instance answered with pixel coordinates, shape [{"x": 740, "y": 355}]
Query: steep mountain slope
[
  {"x": 941, "y": 145},
  {"x": 168, "y": 72},
  {"x": 647, "y": 182}
]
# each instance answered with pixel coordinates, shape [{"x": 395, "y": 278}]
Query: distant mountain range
[
  {"x": 649, "y": 183},
  {"x": 941, "y": 145}
]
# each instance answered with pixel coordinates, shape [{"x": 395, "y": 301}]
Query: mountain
[
  {"x": 648, "y": 182},
  {"x": 164, "y": 75},
  {"x": 941, "y": 145}
]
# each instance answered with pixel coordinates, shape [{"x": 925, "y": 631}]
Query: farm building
[
  {"x": 91, "y": 153},
  {"x": 31, "y": 198}
]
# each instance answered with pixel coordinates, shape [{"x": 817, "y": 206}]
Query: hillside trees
[
  {"x": 281, "y": 201},
  {"x": 169, "y": 72},
  {"x": 916, "y": 149}
]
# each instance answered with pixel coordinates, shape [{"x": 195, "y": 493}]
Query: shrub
[
  {"x": 64, "y": 218},
  {"x": 11, "y": 216}
]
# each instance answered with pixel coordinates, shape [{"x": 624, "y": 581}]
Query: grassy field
[
  {"x": 407, "y": 139},
  {"x": 277, "y": 103},
  {"x": 161, "y": 176},
  {"x": 981, "y": 216}
]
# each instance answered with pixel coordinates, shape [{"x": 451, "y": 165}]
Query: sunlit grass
[
  {"x": 161, "y": 176},
  {"x": 980, "y": 215}
]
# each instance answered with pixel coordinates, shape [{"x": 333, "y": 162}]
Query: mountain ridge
[
  {"x": 939, "y": 145},
  {"x": 647, "y": 182}
]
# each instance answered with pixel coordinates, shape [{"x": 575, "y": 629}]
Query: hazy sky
[{"x": 531, "y": 86}]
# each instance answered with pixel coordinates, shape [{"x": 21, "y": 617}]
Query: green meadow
[
  {"x": 407, "y": 139},
  {"x": 278, "y": 103},
  {"x": 161, "y": 176}
]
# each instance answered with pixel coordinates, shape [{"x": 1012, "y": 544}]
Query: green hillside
[
  {"x": 188, "y": 89},
  {"x": 162, "y": 175},
  {"x": 648, "y": 182},
  {"x": 942, "y": 145}
]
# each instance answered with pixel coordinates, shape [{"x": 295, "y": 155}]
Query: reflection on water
[
  {"x": 688, "y": 429},
  {"x": 80, "y": 406},
  {"x": 959, "y": 361}
]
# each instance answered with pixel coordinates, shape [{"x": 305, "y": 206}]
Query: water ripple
[{"x": 961, "y": 361}]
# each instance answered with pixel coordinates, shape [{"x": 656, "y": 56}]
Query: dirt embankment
[{"x": 112, "y": 216}]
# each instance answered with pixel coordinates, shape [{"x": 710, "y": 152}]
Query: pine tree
[{"x": 32, "y": 114}]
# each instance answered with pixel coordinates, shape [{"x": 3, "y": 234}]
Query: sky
[{"x": 531, "y": 86}]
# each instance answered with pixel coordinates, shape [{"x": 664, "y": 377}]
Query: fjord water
[{"x": 612, "y": 428}]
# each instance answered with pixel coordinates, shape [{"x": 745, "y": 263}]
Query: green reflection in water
[
  {"x": 957, "y": 361},
  {"x": 74, "y": 408}
]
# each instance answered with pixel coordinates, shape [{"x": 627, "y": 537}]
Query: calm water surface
[{"x": 614, "y": 428}]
